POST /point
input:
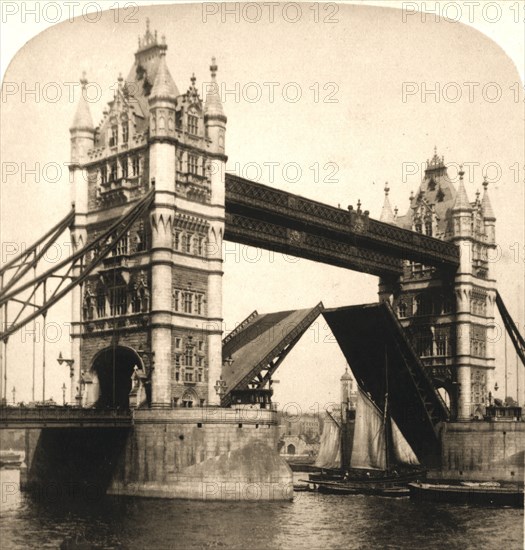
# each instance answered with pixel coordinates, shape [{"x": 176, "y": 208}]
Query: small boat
[{"x": 479, "y": 494}]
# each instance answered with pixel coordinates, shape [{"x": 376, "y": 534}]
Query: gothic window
[
  {"x": 118, "y": 300},
  {"x": 177, "y": 360},
  {"x": 141, "y": 238},
  {"x": 200, "y": 246},
  {"x": 135, "y": 166},
  {"x": 177, "y": 343},
  {"x": 113, "y": 136},
  {"x": 188, "y": 357},
  {"x": 199, "y": 361},
  {"x": 200, "y": 345},
  {"x": 113, "y": 171},
  {"x": 188, "y": 244},
  {"x": 101, "y": 302},
  {"x": 188, "y": 377},
  {"x": 198, "y": 305},
  {"x": 418, "y": 227},
  {"x": 125, "y": 131},
  {"x": 177, "y": 377},
  {"x": 176, "y": 240},
  {"x": 402, "y": 309},
  {"x": 193, "y": 164},
  {"x": 122, "y": 246},
  {"x": 177, "y": 300},
  {"x": 441, "y": 345},
  {"x": 188, "y": 302},
  {"x": 88, "y": 305},
  {"x": 428, "y": 228},
  {"x": 136, "y": 302},
  {"x": 104, "y": 174},
  {"x": 424, "y": 345},
  {"x": 124, "y": 167},
  {"x": 193, "y": 124},
  {"x": 199, "y": 377}
]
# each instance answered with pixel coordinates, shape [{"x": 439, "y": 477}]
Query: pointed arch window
[{"x": 125, "y": 131}]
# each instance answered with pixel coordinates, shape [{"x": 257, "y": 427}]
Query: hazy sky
[{"x": 338, "y": 112}]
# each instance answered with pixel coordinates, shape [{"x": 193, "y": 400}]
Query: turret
[
  {"x": 387, "y": 215},
  {"x": 214, "y": 117},
  {"x": 82, "y": 130},
  {"x": 462, "y": 210},
  {"x": 489, "y": 219},
  {"x": 162, "y": 101}
]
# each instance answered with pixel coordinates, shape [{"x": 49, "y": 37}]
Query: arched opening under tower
[{"x": 114, "y": 367}]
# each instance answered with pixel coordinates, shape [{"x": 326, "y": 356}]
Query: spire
[
  {"x": 213, "y": 107},
  {"x": 461, "y": 203},
  {"x": 164, "y": 86},
  {"x": 486, "y": 207},
  {"x": 387, "y": 215},
  {"x": 83, "y": 120}
]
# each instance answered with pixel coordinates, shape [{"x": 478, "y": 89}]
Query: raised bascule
[{"x": 163, "y": 405}]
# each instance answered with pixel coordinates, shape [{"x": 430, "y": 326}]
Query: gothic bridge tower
[
  {"x": 450, "y": 318},
  {"x": 152, "y": 311}
]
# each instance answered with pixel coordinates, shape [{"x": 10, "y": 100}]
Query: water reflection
[{"x": 312, "y": 520}]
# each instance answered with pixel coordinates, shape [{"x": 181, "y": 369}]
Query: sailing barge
[{"x": 382, "y": 462}]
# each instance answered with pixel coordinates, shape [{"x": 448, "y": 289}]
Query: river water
[{"x": 311, "y": 521}]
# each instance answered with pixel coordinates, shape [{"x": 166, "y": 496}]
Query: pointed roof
[
  {"x": 387, "y": 215},
  {"x": 461, "y": 203},
  {"x": 486, "y": 206},
  {"x": 213, "y": 107},
  {"x": 82, "y": 119},
  {"x": 346, "y": 375},
  {"x": 164, "y": 86}
]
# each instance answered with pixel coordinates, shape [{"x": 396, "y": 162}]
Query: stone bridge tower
[
  {"x": 147, "y": 324},
  {"x": 450, "y": 318}
]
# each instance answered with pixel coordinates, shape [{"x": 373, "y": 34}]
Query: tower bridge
[{"x": 152, "y": 206}]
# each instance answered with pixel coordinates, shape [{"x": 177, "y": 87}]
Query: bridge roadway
[
  {"x": 63, "y": 417},
  {"x": 262, "y": 216}
]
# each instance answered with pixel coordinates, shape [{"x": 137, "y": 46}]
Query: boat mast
[{"x": 386, "y": 417}]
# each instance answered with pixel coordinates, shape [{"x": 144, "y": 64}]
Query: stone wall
[
  {"x": 204, "y": 453},
  {"x": 482, "y": 451}
]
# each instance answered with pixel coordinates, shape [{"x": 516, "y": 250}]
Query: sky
[{"x": 327, "y": 101}]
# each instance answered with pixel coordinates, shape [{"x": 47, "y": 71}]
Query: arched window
[{"x": 402, "y": 309}]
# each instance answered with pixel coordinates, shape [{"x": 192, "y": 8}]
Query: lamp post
[
  {"x": 70, "y": 363},
  {"x": 64, "y": 388},
  {"x": 13, "y": 391}
]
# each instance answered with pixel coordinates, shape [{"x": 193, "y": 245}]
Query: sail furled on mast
[{"x": 329, "y": 455}]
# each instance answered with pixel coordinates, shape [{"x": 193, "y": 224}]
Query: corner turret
[
  {"x": 489, "y": 218},
  {"x": 462, "y": 210},
  {"x": 82, "y": 130},
  {"x": 214, "y": 117},
  {"x": 162, "y": 101}
]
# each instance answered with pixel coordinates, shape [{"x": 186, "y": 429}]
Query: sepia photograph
[{"x": 262, "y": 274}]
